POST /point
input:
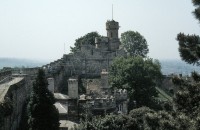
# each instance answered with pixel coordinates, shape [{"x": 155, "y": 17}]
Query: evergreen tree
[
  {"x": 189, "y": 45},
  {"x": 42, "y": 113},
  {"x": 187, "y": 99}
]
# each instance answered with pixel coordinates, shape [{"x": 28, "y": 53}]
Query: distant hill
[
  {"x": 168, "y": 66},
  {"x": 14, "y": 62},
  {"x": 177, "y": 67}
]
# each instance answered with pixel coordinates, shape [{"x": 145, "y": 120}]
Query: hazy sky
[{"x": 38, "y": 29}]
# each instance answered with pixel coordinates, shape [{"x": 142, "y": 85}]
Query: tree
[
  {"x": 109, "y": 122},
  {"x": 189, "y": 45},
  {"x": 138, "y": 76},
  {"x": 142, "y": 118},
  {"x": 42, "y": 113},
  {"x": 89, "y": 38},
  {"x": 6, "y": 109},
  {"x": 134, "y": 43},
  {"x": 187, "y": 99}
]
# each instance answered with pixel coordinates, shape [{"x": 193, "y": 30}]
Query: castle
[
  {"x": 90, "y": 60},
  {"x": 87, "y": 68},
  {"x": 89, "y": 65}
]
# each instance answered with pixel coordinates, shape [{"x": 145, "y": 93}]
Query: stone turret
[
  {"x": 112, "y": 28},
  {"x": 51, "y": 84},
  {"x": 73, "y": 88}
]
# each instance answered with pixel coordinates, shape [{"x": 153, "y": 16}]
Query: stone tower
[
  {"x": 112, "y": 28},
  {"x": 104, "y": 79},
  {"x": 51, "y": 84},
  {"x": 73, "y": 88}
]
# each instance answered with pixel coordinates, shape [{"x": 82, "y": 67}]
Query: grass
[{"x": 163, "y": 95}]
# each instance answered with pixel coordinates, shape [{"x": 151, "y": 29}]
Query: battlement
[
  {"x": 72, "y": 81},
  {"x": 112, "y": 25}
]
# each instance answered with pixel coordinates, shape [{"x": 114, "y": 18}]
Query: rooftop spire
[{"x": 112, "y": 11}]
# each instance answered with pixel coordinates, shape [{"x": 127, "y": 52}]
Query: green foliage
[
  {"x": 6, "y": 109},
  {"x": 189, "y": 44},
  {"x": 138, "y": 114},
  {"x": 110, "y": 122},
  {"x": 138, "y": 76},
  {"x": 142, "y": 118},
  {"x": 134, "y": 43},
  {"x": 42, "y": 113},
  {"x": 187, "y": 99},
  {"x": 24, "y": 117},
  {"x": 189, "y": 48},
  {"x": 196, "y": 76},
  {"x": 197, "y": 10},
  {"x": 89, "y": 38}
]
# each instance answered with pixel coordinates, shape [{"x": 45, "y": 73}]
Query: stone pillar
[
  {"x": 51, "y": 84},
  {"x": 73, "y": 88},
  {"x": 104, "y": 79},
  {"x": 125, "y": 107}
]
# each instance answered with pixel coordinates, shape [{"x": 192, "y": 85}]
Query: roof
[
  {"x": 62, "y": 108},
  {"x": 67, "y": 124},
  {"x": 5, "y": 87},
  {"x": 61, "y": 96}
]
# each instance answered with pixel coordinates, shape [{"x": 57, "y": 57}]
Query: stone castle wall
[{"x": 17, "y": 92}]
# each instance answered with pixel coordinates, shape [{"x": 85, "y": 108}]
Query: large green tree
[
  {"x": 138, "y": 76},
  {"x": 189, "y": 45},
  {"x": 89, "y": 38},
  {"x": 134, "y": 43},
  {"x": 187, "y": 99},
  {"x": 42, "y": 113}
]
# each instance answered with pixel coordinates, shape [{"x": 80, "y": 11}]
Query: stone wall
[
  {"x": 17, "y": 92},
  {"x": 90, "y": 61},
  {"x": 4, "y": 74}
]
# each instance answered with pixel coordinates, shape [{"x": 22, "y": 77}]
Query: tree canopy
[
  {"x": 134, "y": 43},
  {"x": 89, "y": 38},
  {"x": 189, "y": 45},
  {"x": 138, "y": 76},
  {"x": 142, "y": 118},
  {"x": 187, "y": 98},
  {"x": 42, "y": 113}
]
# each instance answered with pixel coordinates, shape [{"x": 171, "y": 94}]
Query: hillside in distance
[
  {"x": 15, "y": 62},
  {"x": 178, "y": 67},
  {"x": 168, "y": 66}
]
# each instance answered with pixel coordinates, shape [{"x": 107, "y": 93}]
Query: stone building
[
  {"x": 89, "y": 60},
  {"x": 92, "y": 64}
]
